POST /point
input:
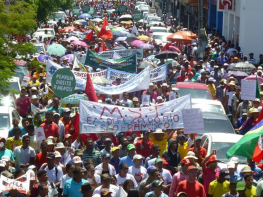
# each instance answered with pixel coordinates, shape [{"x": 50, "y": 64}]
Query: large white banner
[
  {"x": 123, "y": 53},
  {"x": 157, "y": 74},
  {"x": 81, "y": 57},
  {"x": 83, "y": 75},
  {"x": 140, "y": 82},
  {"x": 98, "y": 117}
]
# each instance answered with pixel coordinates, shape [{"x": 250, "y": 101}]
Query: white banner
[
  {"x": 98, "y": 117},
  {"x": 140, "y": 82},
  {"x": 157, "y": 74},
  {"x": 52, "y": 67},
  {"x": 193, "y": 121},
  {"x": 21, "y": 183},
  {"x": 123, "y": 53},
  {"x": 83, "y": 75},
  {"x": 81, "y": 57},
  {"x": 248, "y": 89}
]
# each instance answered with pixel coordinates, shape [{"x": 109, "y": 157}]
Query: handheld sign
[
  {"x": 63, "y": 82},
  {"x": 85, "y": 8},
  {"x": 122, "y": 8},
  {"x": 172, "y": 96},
  {"x": 248, "y": 89},
  {"x": 145, "y": 99},
  {"x": 40, "y": 134},
  {"x": 193, "y": 121},
  {"x": 137, "y": 15}
]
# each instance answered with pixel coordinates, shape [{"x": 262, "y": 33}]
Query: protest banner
[
  {"x": 248, "y": 89},
  {"x": 40, "y": 134},
  {"x": 75, "y": 10},
  {"x": 172, "y": 96},
  {"x": 157, "y": 74},
  {"x": 122, "y": 8},
  {"x": 78, "y": 64},
  {"x": 85, "y": 8},
  {"x": 99, "y": 117},
  {"x": 145, "y": 99},
  {"x": 193, "y": 121},
  {"x": 63, "y": 82},
  {"x": 52, "y": 67},
  {"x": 137, "y": 15},
  {"x": 73, "y": 99},
  {"x": 123, "y": 53},
  {"x": 140, "y": 82},
  {"x": 81, "y": 57},
  {"x": 83, "y": 75},
  {"x": 21, "y": 183},
  {"x": 125, "y": 64}
]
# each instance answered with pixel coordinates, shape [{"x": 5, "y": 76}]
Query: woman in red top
[{"x": 42, "y": 156}]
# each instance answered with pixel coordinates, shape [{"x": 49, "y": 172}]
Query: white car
[
  {"x": 60, "y": 15},
  {"x": 158, "y": 29},
  {"x": 154, "y": 19},
  {"x": 7, "y": 114},
  {"x": 40, "y": 47},
  {"x": 153, "y": 23},
  {"x": 140, "y": 3},
  {"x": 161, "y": 36},
  {"x": 208, "y": 105},
  {"x": 221, "y": 142},
  {"x": 47, "y": 31}
]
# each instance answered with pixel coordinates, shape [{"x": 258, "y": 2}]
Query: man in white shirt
[
  {"x": 126, "y": 101},
  {"x": 105, "y": 184},
  {"x": 138, "y": 171},
  {"x": 165, "y": 174}
]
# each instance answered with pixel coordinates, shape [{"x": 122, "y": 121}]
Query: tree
[{"x": 18, "y": 21}]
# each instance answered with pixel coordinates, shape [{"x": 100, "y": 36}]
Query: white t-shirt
[
  {"x": 121, "y": 180},
  {"x": 139, "y": 174},
  {"x": 63, "y": 180},
  {"x": 167, "y": 177},
  {"x": 230, "y": 94},
  {"x": 97, "y": 179},
  {"x": 127, "y": 103},
  {"x": 52, "y": 176},
  {"x": 114, "y": 189}
]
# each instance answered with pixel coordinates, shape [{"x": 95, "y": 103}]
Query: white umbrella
[
  {"x": 126, "y": 16},
  {"x": 120, "y": 33},
  {"x": 73, "y": 38}
]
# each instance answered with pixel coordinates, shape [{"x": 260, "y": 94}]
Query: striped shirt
[{"x": 95, "y": 156}]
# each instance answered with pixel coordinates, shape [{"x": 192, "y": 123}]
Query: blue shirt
[
  {"x": 116, "y": 165},
  {"x": 162, "y": 195},
  {"x": 71, "y": 188},
  {"x": 127, "y": 160},
  {"x": 235, "y": 177},
  {"x": 23, "y": 132},
  {"x": 8, "y": 153},
  {"x": 240, "y": 121}
]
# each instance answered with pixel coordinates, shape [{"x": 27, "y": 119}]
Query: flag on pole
[
  {"x": 90, "y": 36},
  {"x": 103, "y": 46},
  {"x": 90, "y": 91},
  {"x": 92, "y": 26},
  {"x": 105, "y": 31}
]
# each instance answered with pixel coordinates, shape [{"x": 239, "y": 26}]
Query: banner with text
[
  {"x": 140, "y": 82},
  {"x": 99, "y": 118},
  {"x": 125, "y": 64},
  {"x": 123, "y": 53},
  {"x": 83, "y": 75},
  {"x": 21, "y": 184},
  {"x": 81, "y": 57}
]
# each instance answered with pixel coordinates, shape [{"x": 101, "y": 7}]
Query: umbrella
[
  {"x": 249, "y": 146},
  {"x": 166, "y": 55},
  {"x": 179, "y": 37},
  {"x": 80, "y": 43},
  {"x": 42, "y": 58},
  {"x": 72, "y": 38},
  {"x": 120, "y": 33},
  {"x": 67, "y": 29},
  {"x": 173, "y": 48},
  {"x": 77, "y": 33},
  {"x": 253, "y": 77},
  {"x": 145, "y": 46},
  {"x": 99, "y": 80},
  {"x": 143, "y": 37},
  {"x": 118, "y": 48},
  {"x": 137, "y": 42},
  {"x": 189, "y": 34},
  {"x": 69, "y": 56},
  {"x": 130, "y": 39},
  {"x": 56, "y": 49},
  {"x": 152, "y": 59},
  {"x": 126, "y": 16},
  {"x": 83, "y": 22},
  {"x": 85, "y": 15},
  {"x": 141, "y": 21},
  {"x": 97, "y": 16},
  {"x": 237, "y": 74},
  {"x": 77, "y": 23},
  {"x": 120, "y": 39},
  {"x": 158, "y": 41},
  {"x": 243, "y": 66},
  {"x": 97, "y": 20},
  {"x": 126, "y": 22}
]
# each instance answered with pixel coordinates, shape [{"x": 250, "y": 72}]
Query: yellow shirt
[
  {"x": 251, "y": 192},
  {"x": 11, "y": 143},
  {"x": 183, "y": 149},
  {"x": 217, "y": 189},
  {"x": 163, "y": 143},
  {"x": 34, "y": 84}
]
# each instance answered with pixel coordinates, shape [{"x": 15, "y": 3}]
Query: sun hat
[
  {"x": 246, "y": 169},
  {"x": 158, "y": 131},
  {"x": 232, "y": 83},
  {"x": 137, "y": 157},
  {"x": 190, "y": 155},
  {"x": 77, "y": 159},
  {"x": 231, "y": 164},
  {"x": 57, "y": 154},
  {"x": 60, "y": 145},
  {"x": 78, "y": 152},
  {"x": 191, "y": 168}
]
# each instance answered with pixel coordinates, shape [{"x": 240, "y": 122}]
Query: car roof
[
  {"x": 224, "y": 137},
  {"x": 214, "y": 115},
  {"x": 206, "y": 101},
  {"x": 191, "y": 85}
]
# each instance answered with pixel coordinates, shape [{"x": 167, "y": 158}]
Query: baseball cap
[
  {"x": 137, "y": 157},
  {"x": 146, "y": 131},
  {"x": 2, "y": 163},
  {"x": 185, "y": 162},
  {"x": 130, "y": 147},
  {"x": 51, "y": 156},
  {"x": 158, "y": 160},
  {"x": 107, "y": 140},
  {"x": 240, "y": 186},
  {"x": 106, "y": 155},
  {"x": 115, "y": 148},
  {"x": 77, "y": 159},
  {"x": 105, "y": 176},
  {"x": 157, "y": 183},
  {"x": 151, "y": 169},
  {"x": 191, "y": 168},
  {"x": 224, "y": 173}
]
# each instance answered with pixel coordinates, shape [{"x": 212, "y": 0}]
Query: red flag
[
  {"x": 90, "y": 36},
  {"x": 103, "y": 46},
  {"x": 90, "y": 91},
  {"x": 105, "y": 31},
  {"x": 166, "y": 47}
]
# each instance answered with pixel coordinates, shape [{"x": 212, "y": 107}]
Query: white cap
[
  {"x": 234, "y": 159},
  {"x": 77, "y": 159},
  {"x": 57, "y": 154},
  {"x": 137, "y": 157},
  {"x": 231, "y": 164}
]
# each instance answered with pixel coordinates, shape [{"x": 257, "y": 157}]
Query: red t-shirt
[
  {"x": 40, "y": 159},
  {"x": 50, "y": 129},
  {"x": 202, "y": 152},
  {"x": 181, "y": 79},
  {"x": 191, "y": 189},
  {"x": 23, "y": 104},
  {"x": 144, "y": 149}
]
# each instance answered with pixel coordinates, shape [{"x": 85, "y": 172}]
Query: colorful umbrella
[
  {"x": 56, "y": 49},
  {"x": 173, "y": 48},
  {"x": 253, "y": 77},
  {"x": 243, "y": 66},
  {"x": 250, "y": 145},
  {"x": 137, "y": 42},
  {"x": 158, "y": 41},
  {"x": 179, "y": 37},
  {"x": 237, "y": 74},
  {"x": 80, "y": 43},
  {"x": 143, "y": 37},
  {"x": 85, "y": 15},
  {"x": 83, "y": 22},
  {"x": 189, "y": 34},
  {"x": 70, "y": 57},
  {"x": 67, "y": 29},
  {"x": 97, "y": 20},
  {"x": 145, "y": 46},
  {"x": 120, "y": 39},
  {"x": 73, "y": 38}
]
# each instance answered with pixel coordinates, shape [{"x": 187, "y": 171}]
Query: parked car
[
  {"x": 208, "y": 105},
  {"x": 221, "y": 142},
  {"x": 197, "y": 90},
  {"x": 47, "y": 31},
  {"x": 21, "y": 69},
  {"x": 158, "y": 29},
  {"x": 7, "y": 114}
]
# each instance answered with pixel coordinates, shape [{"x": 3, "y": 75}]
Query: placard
[
  {"x": 137, "y": 15},
  {"x": 248, "y": 89},
  {"x": 75, "y": 10},
  {"x": 172, "y": 96},
  {"x": 193, "y": 121},
  {"x": 21, "y": 183},
  {"x": 145, "y": 99},
  {"x": 40, "y": 134}
]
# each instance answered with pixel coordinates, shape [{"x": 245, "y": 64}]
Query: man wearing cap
[
  {"x": 179, "y": 176},
  {"x": 191, "y": 187},
  {"x": 138, "y": 171},
  {"x": 233, "y": 176},
  {"x": 61, "y": 126},
  {"x": 220, "y": 186},
  {"x": 105, "y": 184},
  {"x": 199, "y": 151},
  {"x": 64, "y": 62},
  {"x": 240, "y": 187},
  {"x": 157, "y": 189},
  {"x": 4, "y": 151},
  {"x": 165, "y": 174},
  {"x": 35, "y": 106},
  {"x": 107, "y": 148},
  {"x": 129, "y": 158},
  {"x": 50, "y": 128},
  {"x": 34, "y": 81},
  {"x": 182, "y": 145},
  {"x": 66, "y": 116},
  {"x": 22, "y": 103},
  {"x": 115, "y": 160},
  {"x": 145, "y": 145}
]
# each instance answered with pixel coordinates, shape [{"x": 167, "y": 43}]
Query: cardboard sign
[
  {"x": 172, "y": 96},
  {"x": 40, "y": 134},
  {"x": 248, "y": 89},
  {"x": 145, "y": 99},
  {"x": 21, "y": 184},
  {"x": 193, "y": 121}
]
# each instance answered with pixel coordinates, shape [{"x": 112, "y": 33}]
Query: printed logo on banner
[{"x": 172, "y": 96}]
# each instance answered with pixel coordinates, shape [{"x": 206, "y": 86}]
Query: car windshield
[
  {"x": 59, "y": 16},
  {"x": 154, "y": 19},
  {"x": 222, "y": 148},
  {"x": 4, "y": 121},
  {"x": 159, "y": 30},
  {"x": 14, "y": 86},
  {"x": 39, "y": 49},
  {"x": 208, "y": 108},
  {"x": 49, "y": 32},
  {"x": 195, "y": 93},
  {"x": 217, "y": 126}
]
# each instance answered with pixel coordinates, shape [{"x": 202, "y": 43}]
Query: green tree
[{"x": 19, "y": 20}]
